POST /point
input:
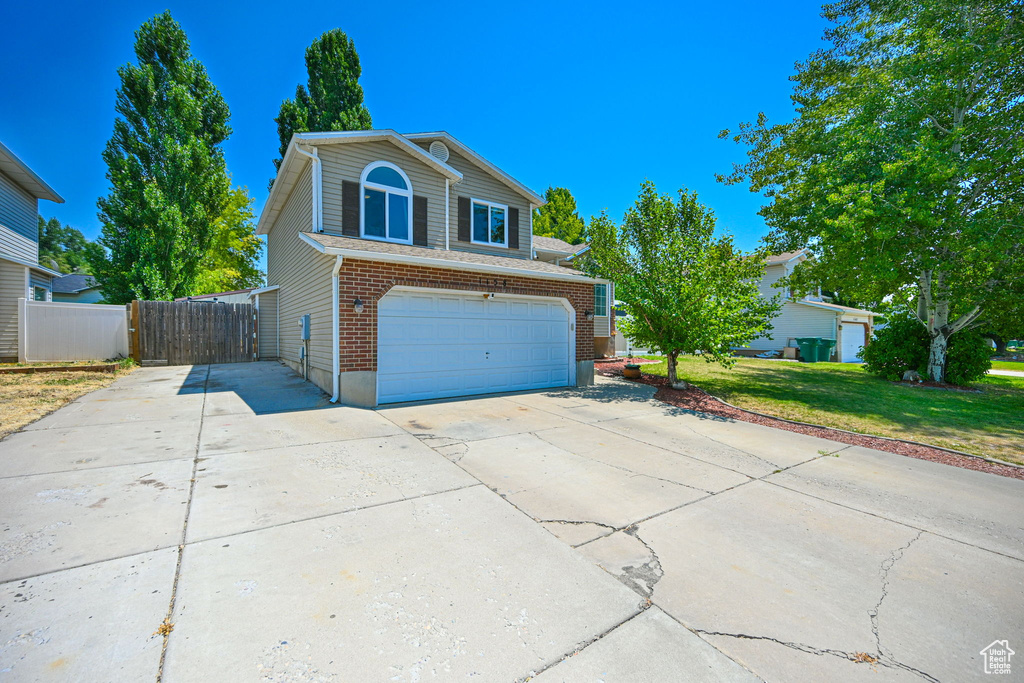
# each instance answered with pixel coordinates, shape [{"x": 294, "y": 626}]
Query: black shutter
[
  {"x": 419, "y": 221},
  {"x": 464, "y": 212},
  {"x": 350, "y": 208},
  {"x": 513, "y": 228}
]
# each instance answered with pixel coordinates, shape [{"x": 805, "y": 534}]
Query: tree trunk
[
  {"x": 937, "y": 357},
  {"x": 933, "y": 306},
  {"x": 673, "y": 378}
]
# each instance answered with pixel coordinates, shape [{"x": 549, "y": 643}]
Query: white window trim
[
  {"x": 386, "y": 189},
  {"x": 607, "y": 302},
  {"x": 489, "y": 205}
]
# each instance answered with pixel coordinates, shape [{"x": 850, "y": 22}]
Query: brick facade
[{"x": 369, "y": 281}]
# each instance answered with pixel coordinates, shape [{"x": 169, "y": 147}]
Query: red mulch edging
[
  {"x": 701, "y": 401},
  {"x": 32, "y": 369}
]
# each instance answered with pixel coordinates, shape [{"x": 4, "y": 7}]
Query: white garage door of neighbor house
[
  {"x": 438, "y": 345},
  {"x": 853, "y": 340}
]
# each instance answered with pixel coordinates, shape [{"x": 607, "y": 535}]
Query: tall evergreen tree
[
  {"x": 558, "y": 218},
  {"x": 332, "y": 98},
  {"x": 166, "y": 170}
]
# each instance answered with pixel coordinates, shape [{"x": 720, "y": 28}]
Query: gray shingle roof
[
  {"x": 73, "y": 283},
  {"x": 449, "y": 258},
  {"x": 555, "y": 244}
]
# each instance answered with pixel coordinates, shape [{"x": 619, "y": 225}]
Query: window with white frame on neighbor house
[
  {"x": 387, "y": 196},
  {"x": 489, "y": 221},
  {"x": 39, "y": 294}
]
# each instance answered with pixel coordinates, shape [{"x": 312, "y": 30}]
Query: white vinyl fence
[{"x": 56, "y": 331}]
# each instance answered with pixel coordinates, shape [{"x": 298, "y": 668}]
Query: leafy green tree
[
  {"x": 231, "y": 262},
  {"x": 65, "y": 248},
  {"x": 332, "y": 98},
  {"x": 558, "y": 218},
  {"x": 685, "y": 290},
  {"x": 904, "y": 168},
  {"x": 166, "y": 170}
]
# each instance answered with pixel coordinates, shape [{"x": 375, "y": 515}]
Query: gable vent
[{"x": 439, "y": 150}]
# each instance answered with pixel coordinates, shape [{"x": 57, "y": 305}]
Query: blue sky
[{"x": 593, "y": 96}]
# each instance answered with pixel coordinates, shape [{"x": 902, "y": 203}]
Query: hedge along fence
[{"x": 54, "y": 331}]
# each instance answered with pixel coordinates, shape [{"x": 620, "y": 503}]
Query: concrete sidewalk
[{"x": 570, "y": 535}]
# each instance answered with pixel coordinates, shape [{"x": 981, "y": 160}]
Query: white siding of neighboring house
[
  {"x": 304, "y": 276},
  {"x": 13, "y": 286},
  {"x": 796, "y": 320}
]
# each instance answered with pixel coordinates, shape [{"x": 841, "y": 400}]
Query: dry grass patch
[{"x": 26, "y": 398}]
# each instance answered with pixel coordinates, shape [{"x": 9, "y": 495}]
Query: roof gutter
[{"x": 444, "y": 263}]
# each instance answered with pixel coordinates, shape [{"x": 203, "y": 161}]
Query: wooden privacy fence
[{"x": 192, "y": 332}]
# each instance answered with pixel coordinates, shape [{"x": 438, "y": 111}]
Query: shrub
[
  {"x": 899, "y": 346},
  {"x": 968, "y": 358},
  {"x": 904, "y": 343}
]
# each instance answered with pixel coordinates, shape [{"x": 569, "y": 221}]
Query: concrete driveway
[{"x": 568, "y": 535}]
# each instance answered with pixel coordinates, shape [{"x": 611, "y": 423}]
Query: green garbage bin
[
  {"x": 825, "y": 347},
  {"x": 808, "y": 349}
]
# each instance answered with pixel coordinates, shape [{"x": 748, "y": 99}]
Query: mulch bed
[{"x": 698, "y": 400}]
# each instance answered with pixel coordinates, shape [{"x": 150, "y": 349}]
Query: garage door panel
[{"x": 446, "y": 345}]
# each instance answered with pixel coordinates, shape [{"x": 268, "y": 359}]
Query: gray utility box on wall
[{"x": 304, "y": 327}]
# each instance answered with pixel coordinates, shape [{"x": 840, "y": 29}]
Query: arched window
[{"x": 387, "y": 199}]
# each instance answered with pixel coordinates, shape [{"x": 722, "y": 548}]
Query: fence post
[
  {"x": 133, "y": 330},
  {"x": 22, "y": 330}
]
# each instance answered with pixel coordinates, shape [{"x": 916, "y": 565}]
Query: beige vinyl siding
[
  {"x": 796, "y": 320},
  {"x": 602, "y": 326},
  {"x": 773, "y": 274},
  {"x": 304, "y": 277},
  {"x": 12, "y": 288},
  {"x": 267, "y": 330},
  {"x": 478, "y": 184},
  {"x": 347, "y": 161}
]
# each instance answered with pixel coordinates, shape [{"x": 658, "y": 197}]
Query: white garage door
[
  {"x": 853, "y": 340},
  {"x": 436, "y": 345}
]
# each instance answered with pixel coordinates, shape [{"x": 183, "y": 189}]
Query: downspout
[
  {"x": 335, "y": 332},
  {"x": 447, "y": 202},
  {"x": 318, "y": 222}
]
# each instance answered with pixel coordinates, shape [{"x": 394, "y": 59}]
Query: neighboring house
[
  {"x": 21, "y": 276},
  {"x": 411, "y": 255},
  {"x": 811, "y": 315},
  {"x": 77, "y": 288},
  {"x": 561, "y": 253},
  {"x": 238, "y": 296}
]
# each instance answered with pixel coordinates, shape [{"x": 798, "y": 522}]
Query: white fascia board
[
  {"x": 836, "y": 308},
  {"x": 514, "y": 184},
  {"x": 283, "y": 184},
  {"x": 446, "y": 264}
]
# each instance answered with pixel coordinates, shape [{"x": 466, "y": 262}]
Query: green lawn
[
  {"x": 1008, "y": 365},
  {"x": 989, "y": 423}
]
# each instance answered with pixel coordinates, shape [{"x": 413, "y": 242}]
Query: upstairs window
[
  {"x": 489, "y": 221},
  {"x": 387, "y": 196},
  {"x": 601, "y": 300}
]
